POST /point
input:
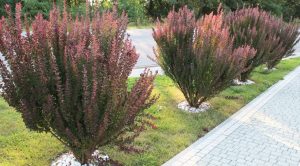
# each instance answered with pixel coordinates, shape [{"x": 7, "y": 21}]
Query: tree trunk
[
  {"x": 271, "y": 65},
  {"x": 84, "y": 159},
  {"x": 69, "y": 3},
  {"x": 195, "y": 102},
  {"x": 83, "y": 156},
  {"x": 115, "y": 6},
  {"x": 244, "y": 76}
]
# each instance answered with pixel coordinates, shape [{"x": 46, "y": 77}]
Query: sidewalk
[{"x": 264, "y": 132}]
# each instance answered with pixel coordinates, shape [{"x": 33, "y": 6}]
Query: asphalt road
[
  {"x": 297, "y": 48},
  {"x": 143, "y": 41}
]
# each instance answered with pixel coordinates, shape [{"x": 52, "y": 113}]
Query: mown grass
[{"x": 176, "y": 129}]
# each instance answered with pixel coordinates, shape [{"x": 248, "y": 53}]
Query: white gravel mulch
[
  {"x": 238, "y": 82},
  {"x": 186, "y": 107},
  {"x": 270, "y": 70},
  {"x": 68, "y": 159}
]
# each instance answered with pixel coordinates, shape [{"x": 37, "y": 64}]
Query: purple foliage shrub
[
  {"x": 270, "y": 36},
  {"x": 69, "y": 77},
  {"x": 198, "y": 55}
]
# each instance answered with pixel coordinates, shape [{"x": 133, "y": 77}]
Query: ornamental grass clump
[
  {"x": 270, "y": 36},
  {"x": 198, "y": 55},
  {"x": 69, "y": 77}
]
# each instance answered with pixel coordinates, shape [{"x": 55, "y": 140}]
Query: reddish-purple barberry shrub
[
  {"x": 69, "y": 77},
  {"x": 198, "y": 55},
  {"x": 262, "y": 31},
  {"x": 288, "y": 35}
]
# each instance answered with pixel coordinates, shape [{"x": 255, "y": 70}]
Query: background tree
[
  {"x": 9, "y": 2},
  {"x": 32, "y": 7},
  {"x": 291, "y": 9},
  {"x": 69, "y": 77},
  {"x": 286, "y": 8},
  {"x": 158, "y": 9},
  {"x": 134, "y": 9}
]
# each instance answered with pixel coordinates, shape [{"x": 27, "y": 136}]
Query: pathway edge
[{"x": 206, "y": 143}]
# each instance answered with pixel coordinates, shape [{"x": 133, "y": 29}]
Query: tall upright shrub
[
  {"x": 259, "y": 29},
  {"x": 198, "y": 55},
  {"x": 288, "y": 35},
  {"x": 69, "y": 77}
]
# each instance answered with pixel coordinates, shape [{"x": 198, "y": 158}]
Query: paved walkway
[{"x": 264, "y": 132}]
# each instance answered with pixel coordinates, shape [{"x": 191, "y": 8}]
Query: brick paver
[{"x": 265, "y": 132}]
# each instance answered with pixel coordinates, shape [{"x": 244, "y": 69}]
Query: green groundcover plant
[
  {"x": 69, "y": 77},
  {"x": 198, "y": 55}
]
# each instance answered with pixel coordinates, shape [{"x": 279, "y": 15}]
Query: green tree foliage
[
  {"x": 291, "y": 9},
  {"x": 33, "y": 7},
  {"x": 158, "y": 8},
  {"x": 4, "y": 2},
  {"x": 287, "y": 8},
  {"x": 134, "y": 9},
  {"x": 139, "y": 10}
]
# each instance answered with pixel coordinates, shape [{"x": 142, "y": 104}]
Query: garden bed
[{"x": 174, "y": 130}]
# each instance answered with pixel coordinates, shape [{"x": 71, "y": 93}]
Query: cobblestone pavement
[{"x": 265, "y": 132}]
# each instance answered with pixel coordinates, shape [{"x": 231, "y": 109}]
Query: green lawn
[{"x": 176, "y": 129}]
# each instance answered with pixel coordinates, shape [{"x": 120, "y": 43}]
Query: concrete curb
[{"x": 205, "y": 144}]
